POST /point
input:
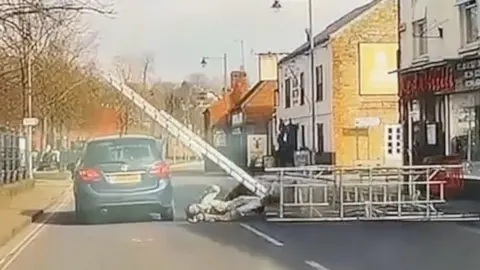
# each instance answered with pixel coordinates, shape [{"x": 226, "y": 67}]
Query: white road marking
[
  {"x": 6, "y": 261},
  {"x": 260, "y": 234},
  {"x": 470, "y": 229},
  {"x": 137, "y": 240},
  {"x": 316, "y": 265}
]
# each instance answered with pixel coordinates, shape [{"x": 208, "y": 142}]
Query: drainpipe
[{"x": 403, "y": 110}]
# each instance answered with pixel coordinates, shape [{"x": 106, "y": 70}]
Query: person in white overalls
[{"x": 211, "y": 209}]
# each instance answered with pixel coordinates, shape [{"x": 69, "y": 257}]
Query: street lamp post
[
  {"x": 242, "y": 48},
  {"x": 30, "y": 115},
  {"x": 225, "y": 67},
  {"x": 276, "y": 5}
]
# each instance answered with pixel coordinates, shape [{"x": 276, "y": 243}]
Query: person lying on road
[{"x": 211, "y": 209}]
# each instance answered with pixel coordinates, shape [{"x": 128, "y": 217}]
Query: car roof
[{"x": 115, "y": 137}]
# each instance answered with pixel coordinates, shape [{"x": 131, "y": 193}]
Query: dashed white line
[
  {"x": 316, "y": 265},
  {"x": 262, "y": 235}
]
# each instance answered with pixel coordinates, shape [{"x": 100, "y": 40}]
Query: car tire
[
  {"x": 82, "y": 216},
  {"x": 168, "y": 213}
]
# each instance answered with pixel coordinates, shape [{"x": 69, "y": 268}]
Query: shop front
[
  {"x": 465, "y": 113},
  {"x": 424, "y": 99},
  {"x": 248, "y": 141},
  {"x": 441, "y": 116}
]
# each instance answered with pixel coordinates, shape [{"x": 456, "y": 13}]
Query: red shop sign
[{"x": 430, "y": 80}]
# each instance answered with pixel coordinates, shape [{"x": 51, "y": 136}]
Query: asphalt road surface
[{"x": 61, "y": 244}]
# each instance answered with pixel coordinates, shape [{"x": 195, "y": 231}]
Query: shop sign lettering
[
  {"x": 467, "y": 75},
  {"x": 430, "y": 80}
]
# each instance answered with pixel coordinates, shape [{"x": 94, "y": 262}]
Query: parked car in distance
[{"x": 122, "y": 172}]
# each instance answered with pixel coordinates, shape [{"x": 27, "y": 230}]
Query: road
[{"x": 61, "y": 244}]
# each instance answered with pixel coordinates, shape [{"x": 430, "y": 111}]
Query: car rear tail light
[
  {"x": 160, "y": 169},
  {"x": 89, "y": 174}
]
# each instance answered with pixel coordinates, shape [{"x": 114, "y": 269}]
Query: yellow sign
[
  {"x": 357, "y": 132},
  {"x": 377, "y": 61},
  {"x": 125, "y": 179}
]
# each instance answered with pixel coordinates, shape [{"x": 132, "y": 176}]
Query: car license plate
[{"x": 125, "y": 179}]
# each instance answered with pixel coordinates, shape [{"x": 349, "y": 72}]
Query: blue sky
[{"x": 177, "y": 33}]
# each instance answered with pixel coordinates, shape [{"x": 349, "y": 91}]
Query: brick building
[
  {"x": 216, "y": 116},
  {"x": 355, "y": 95},
  {"x": 250, "y": 118}
]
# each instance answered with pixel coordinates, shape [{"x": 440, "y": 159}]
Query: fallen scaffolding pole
[{"x": 188, "y": 137}]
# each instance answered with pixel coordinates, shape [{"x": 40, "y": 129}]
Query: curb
[
  {"x": 37, "y": 215},
  {"x": 183, "y": 164}
]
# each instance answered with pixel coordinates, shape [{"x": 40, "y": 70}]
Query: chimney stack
[
  {"x": 267, "y": 66},
  {"x": 239, "y": 80}
]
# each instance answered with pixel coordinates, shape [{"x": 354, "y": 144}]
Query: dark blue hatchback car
[{"x": 122, "y": 171}]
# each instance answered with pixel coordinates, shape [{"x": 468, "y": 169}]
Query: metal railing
[
  {"x": 329, "y": 193},
  {"x": 12, "y": 158}
]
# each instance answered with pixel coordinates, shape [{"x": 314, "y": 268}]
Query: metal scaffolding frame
[{"x": 329, "y": 193}]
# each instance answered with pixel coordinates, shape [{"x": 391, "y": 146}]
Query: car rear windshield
[{"x": 122, "y": 150}]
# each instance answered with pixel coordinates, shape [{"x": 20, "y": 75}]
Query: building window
[
  {"x": 420, "y": 37},
  {"x": 294, "y": 83},
  {"x": 465, "y": 127},
  {"x": 468, "y": 17},
  {"x": 302, "y": 136},
  {"x": 302, "y": 88},
  {"x": 320, "y": 139},
  {"x": 288, "y": 94},
  {"x": 319, "y": 88}
]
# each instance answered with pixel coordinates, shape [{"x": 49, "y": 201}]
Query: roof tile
[
  {"x": 219, "y": 109},
  {"x": 258, "y": 105},
  {"x": 331, "y": 29}
]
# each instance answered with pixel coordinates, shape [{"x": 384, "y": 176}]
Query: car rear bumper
[{"x": 92, "y": 200}]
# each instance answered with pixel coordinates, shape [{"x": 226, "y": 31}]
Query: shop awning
[{"x": 422, "y": 66}]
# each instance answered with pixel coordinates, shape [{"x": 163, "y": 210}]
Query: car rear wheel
[
  {"x": 168, "y": 213},
  {"x": 82, "y": 216}
]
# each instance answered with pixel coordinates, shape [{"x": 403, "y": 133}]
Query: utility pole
[
  {"x": 311, "y": 40},
  {"x": 225, "y": 72},
  {"x": 225, "y": 67},
  {"x": 29, "y": 114},
  {"x": 243, "y": 66},
  {"x": 28, "y": 119}
]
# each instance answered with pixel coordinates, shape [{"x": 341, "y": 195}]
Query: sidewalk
[
  {"x": 22, "y": 203},
  {"x": 187, "y": 166}
]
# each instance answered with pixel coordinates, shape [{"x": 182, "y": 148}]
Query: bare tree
[
  {"x": 199, "y": 79},
  {"x": 31, "y": 31},
  {"x": 10, "y": 10},
  {"x": 124, "y": 71},
  {"x": 147, "y": 67}
]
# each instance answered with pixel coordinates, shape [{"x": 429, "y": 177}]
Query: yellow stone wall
[{"x": 378, "y": 25}]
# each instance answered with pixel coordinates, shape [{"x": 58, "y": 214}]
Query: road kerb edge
[{"x": 37, "y": 215}]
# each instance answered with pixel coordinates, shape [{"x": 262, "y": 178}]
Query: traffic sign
[
  {"x": 32, "y": 121},
  {"x": 366, "y": 122}
]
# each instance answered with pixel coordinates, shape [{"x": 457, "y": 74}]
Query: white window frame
[
  {"x": 301, "y": 79},
  {"x": 420, "y": 39},
  {"x": 469, "y": 27},
  {"x": 295, "y": 91}
]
